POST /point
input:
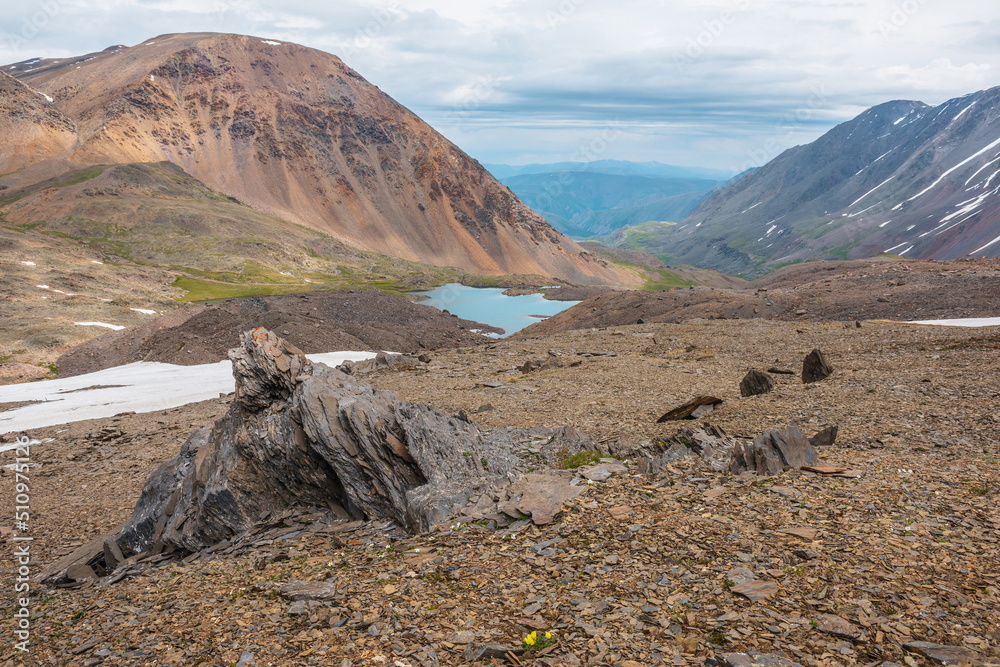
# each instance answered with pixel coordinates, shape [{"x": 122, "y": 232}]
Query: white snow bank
[
  {"x": 964, "y": 322},
  {"x": 144, "y": 311},
  {"x": 95, "y": 261},
  {"x": 957, "y": 166},
  {"x": 140, "y": 387},
  {"x": 996, "y": 240},
  {"x": 267, "y": 41},
  {"x": 115, "y": 327},
  {"x": 27, "y": 263}
]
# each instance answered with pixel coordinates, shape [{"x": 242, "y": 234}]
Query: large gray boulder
[{"x": 305, "y": 434}]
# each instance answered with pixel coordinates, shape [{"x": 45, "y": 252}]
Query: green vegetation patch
[
  {"x": 208, "y": 290},
  {"x": 645, "y": 234},
  {"x": 667, "y": 280},
  {"x": 71, "y": 178},
  {"x": 570, "y": 462}
]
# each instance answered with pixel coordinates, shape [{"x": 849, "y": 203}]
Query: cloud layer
[{"x": 712, "y": 83}]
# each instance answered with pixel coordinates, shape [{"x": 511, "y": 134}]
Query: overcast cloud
[{"x": 710, "y": 83}]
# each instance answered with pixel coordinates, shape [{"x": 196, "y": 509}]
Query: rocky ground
[
  {"x": 315, "y": 323},
  {"x": 879, "y": 288},
  {"x": 673, "y": 568}
]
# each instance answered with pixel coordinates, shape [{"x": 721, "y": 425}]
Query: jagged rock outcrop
[
  {"x": 756, "y": 383},
  {"x": 306, "y": 435},
  {"x": 773, "y": 452},
  {"x": 770, "y": 453},
  {"x": 815, "y": 367},
  {"x": 711, "y": 443}
]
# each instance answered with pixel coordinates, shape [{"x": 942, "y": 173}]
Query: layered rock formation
[
  {"x": 309, "y": 437},
  {"x": 32, "y": 129}
]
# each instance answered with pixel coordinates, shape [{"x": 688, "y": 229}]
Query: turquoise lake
[{"x": 490, "y": 305}]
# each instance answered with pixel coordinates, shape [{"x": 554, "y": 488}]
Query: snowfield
[
  {"x": 966, "y": 322},
  {"x": 113, "y": 327},
  {"x": 140, "y": 387}
]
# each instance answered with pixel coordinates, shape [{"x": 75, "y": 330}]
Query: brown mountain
[
  {"x": 31, "y": 128},
  {"x": 292, "y": 131}
]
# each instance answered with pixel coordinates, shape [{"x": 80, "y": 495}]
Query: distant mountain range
[
  {"x": 619, "y": 167},
  {"x": 903, "y": 178},
  {"x": 290, "y": 131},
  {"x": 583, "y": 199}
]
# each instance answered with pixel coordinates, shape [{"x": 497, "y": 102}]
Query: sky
[{"x": 721, "y": 84}]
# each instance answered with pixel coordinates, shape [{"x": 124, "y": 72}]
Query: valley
[{"x": 753, "y": 420}]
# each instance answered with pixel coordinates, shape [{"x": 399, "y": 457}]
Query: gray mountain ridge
[{"x": 902, "y": 177}]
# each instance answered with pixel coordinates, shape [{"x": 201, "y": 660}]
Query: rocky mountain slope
[
  {"x": 31, "y": 128},
  {"x": 114, "y": 246},
  {"x": 314, "y": 323},
  {"x": 903, "y": 177},
  {"x": 812, "y": 291},
  {"x": 293, "y": 132}
]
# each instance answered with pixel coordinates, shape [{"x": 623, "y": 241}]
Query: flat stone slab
[
  {"x": 800, "y": 532},
  {"x": 835, "y": 625},
  {"x": 755, "y": 591},
  {"x": 463, "y": 637},
  {"x": 943, "y": 654},
  {"x": 80, "y": 572},
  {"x": 739, "y": 576},
  {"x": 476, "y": 651},
  {"x": 692, "y": 409},
  {"x": 308, "y": 590},
  {"x": 539, "y": 496},
  {"x": 752, "y": 659},
  {"x": 597, "y": 473},
  {"x": 620, "y": 512}
]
